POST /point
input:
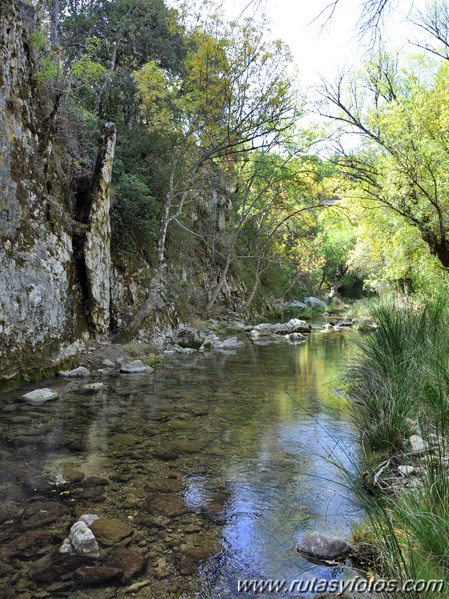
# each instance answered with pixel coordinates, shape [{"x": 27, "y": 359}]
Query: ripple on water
[{"x": 214, "y": 465}]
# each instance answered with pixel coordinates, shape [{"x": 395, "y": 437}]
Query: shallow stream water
[{"x": 210, "y": 470}]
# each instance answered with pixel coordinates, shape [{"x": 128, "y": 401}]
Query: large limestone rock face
[
  {"x": 97, "y": 247},
  {"x": 40, "y": 316}
]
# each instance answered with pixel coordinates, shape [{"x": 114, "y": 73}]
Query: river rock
[
  {"x": 40, "y": 396},
  {"x": 167, "y": 504},
  {"x": 9, "y": 511},
  {"x": 110, "y": 532},
  {"x": 188, "y": 337},
  {"x": 96, "y": 575},
  {"x": 88, "y": 519},
  {"x": 135, "y": 367},
  {"x": 77, "y": 373},
  {"x": 319, "y": 546},
  {"x": 83, "y": 540},
  {"x": 129, "y": 561},
  {"x": 406, "y": 470},
  {"x": 108, "y": 363},
  {"x": 40, "y": 514},
  {"x": 418, "y": 444},
  {"x": 93, "y": 387},
  {"x": 229, "y": 344},
  {"x": 30, "y": 544},
  {"x": 292, "y": 326},
  {"x": 315, "y": 303}
]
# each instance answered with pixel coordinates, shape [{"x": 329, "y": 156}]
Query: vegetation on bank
[
  {"x": 219, "y": 181},
  {"x": 400, "y": 385}
]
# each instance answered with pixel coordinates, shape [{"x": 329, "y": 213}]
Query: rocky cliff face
[{"x": 40, "y": 297}]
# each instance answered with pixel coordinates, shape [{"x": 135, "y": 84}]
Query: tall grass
[{"x": 400, "y": 383}]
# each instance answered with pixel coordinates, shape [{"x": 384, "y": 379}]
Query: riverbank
[{"x": 399, "y": 384}]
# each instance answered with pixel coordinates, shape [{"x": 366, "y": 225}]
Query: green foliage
[{"x": 134, "y": 215}]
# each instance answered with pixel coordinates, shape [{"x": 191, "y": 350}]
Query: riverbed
[{"x": 207, "y": 471}]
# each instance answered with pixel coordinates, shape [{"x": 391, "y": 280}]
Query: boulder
[
  {"x": 292, "y": 326},
  {"x": 40, "y": 396},
  {"x": 135, "y": 367},
  {"x": 322, "y": 547},
  {"x": 314, "y": 303},
  {"x": 76, "y": 373},
  {"x": 188, "y": 337}
]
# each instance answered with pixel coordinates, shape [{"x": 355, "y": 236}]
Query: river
[{"x": 213, "y": 466}]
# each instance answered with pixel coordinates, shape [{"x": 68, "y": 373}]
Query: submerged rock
[
  {"x": 88, "y": 519},
  {"x": 93, "y": 387},
  {"x": 109, "y": 532},
  {"x": 82, "y": 540},
  {"x": 76, "y": 373},
  {"x": 319, "y": 546},
  {"x": 40, "y": 396},
  {"x": 129, "y": 561},
  {"x": 96, "y": 575},
  {"x": 135, "y": 367},
  {"x": 167, "y": 504}
]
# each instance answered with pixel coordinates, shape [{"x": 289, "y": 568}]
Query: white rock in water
[
  {"x": 135, "y": 367},
  {"x": 406, "y": 470},
  {"x": 418, "y": 444},
  {"x": 320, "y": 546},
  {"x": 39, "y": 396},
  {"x": 108, "y": 363},
  {"x": 88, "y": 518},
  {"x": 66, "y": 546},
  {"x": 83, "y": 540},
  {"x": 76, "y": 373}
]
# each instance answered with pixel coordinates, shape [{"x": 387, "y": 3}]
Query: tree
[
  {"x": 402, "y": 119},
  {"x": 235, "y": 97}
]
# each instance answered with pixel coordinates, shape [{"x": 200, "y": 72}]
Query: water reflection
[{"x": 219, "y": 462}]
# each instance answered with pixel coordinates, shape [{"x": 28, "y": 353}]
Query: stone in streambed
[
  {"x": 319, "y": 546},
  {"x": 40, "y": 396},
  {"x": 129, "y": 561},
  {"x": 9, "y": 511},
  {"x": 110, "y": 532},
  {"x": 82, "y": 540},
  {"x": 167, "y": 504},
  {"x": 135, "y": 367},
  {"x": 96, "y": 575},
  {"x": 88, "y": 519},
  {"x": 76, "y": 373},
  {"x": 93, "y": 387}
]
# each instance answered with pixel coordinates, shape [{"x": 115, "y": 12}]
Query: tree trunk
[
  {"x": 221, "y": 282},
  {"x": 54, "y": 25}
]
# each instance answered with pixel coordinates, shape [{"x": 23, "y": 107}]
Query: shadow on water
[{"x": 216, "y": 464}]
